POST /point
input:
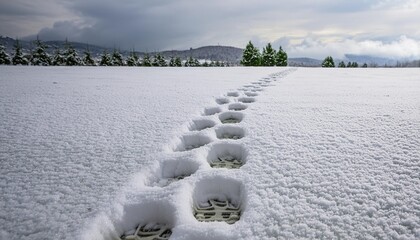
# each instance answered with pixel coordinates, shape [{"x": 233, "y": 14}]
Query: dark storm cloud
[{"x": 149, "y": 25}]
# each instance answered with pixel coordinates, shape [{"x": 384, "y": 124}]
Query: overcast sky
[{"x": 388, "y": 28}]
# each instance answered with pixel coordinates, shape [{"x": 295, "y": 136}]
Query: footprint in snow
[
  {"x": 230, "y": 132},
  {"x": 237, "y": 106},
  {"x": 227, "y": 155},
  {"x": 211, "y": 111},
  {"x": 201, "y": 124},
  {"x": 246, "y": 99},
  {"x": 218, "y": 200},
  {"x": 232, "y": 94},
  {"x": 191, "y": 141},
  {"x": 222, "y": 100},
  {"x": 231, "y": 117}
]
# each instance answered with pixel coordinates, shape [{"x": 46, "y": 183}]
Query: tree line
[
  {"x": 69, "y": 57},
  {"x": 268, "y": 57},
  {"x": 329, "y": 62}
]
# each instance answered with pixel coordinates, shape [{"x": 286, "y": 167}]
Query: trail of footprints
[{"x": 216, "y": 199}]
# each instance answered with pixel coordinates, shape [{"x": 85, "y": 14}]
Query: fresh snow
[{"x": 91, "y": 153}]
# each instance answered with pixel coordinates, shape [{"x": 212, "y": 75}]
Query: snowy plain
[{"x": 86, "y": 153}]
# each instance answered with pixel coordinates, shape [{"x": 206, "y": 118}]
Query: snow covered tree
[
  {"x": 341, "y": 64},
  {"x": 251, "y": 56},
  {"x": 58, "y": 58},
  {"x": 146, "y": 61},
  {"x": 4, "y": 57},
  {"x": 133, "y": 59},
  {"x": 191, "y": 62},
  {"x": 18, "y": 58},
  {"x": 159, "y": 61},
  {"x": 328, "y": 62},
  {"x": 178, "y": 62},
  {"x": 117, "y": 59},
  {"x": 175, "y": 62},
  {"x": 105, "y": 59},
  {"x": 87, "y": 58},
  {"x": 268, "y": 57},
  {"x": 40, "y": 57},
  {"x": 70, "y": 55},
  {"x": 172, "y": 62},
  {"x": 281, "y": 58}
]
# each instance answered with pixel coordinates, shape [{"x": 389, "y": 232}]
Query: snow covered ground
[{"x": 91, "y": 153}]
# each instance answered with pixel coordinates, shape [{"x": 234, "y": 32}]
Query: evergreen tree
[
  {"x": 159, "y": 61},
  {"x": 268, "y": 57},
  {"x": 178, "y": 62},
  {"x": 364, "y": 65},
  {"x": 133, "y": 59},
  {"x": 146, "y": 61},
  {"x": 87, "y": 58},
  {"x": 105, "y": 59},
  {"x": 70, "y": 55},
  {"x": 328, "y": 62},
  {"x": 281, "y": 58},
  {"x": 172, "y": 62},
  {"x": 205, "y": 64},
  {"x": 341, "y": 64},
  {"x": 251, "y": 56},
  {"x": 58, "y": 58},
  {"x": 191, "y": 62},
  {"x": 349, "y": 64},
  {"x": 4, "y": 57},
  {"x": 40, "y": 57},
  {"x": 18, "y": 58},
  {"x": 354, "y": 65},
  {"x": 117, "y": 59}
]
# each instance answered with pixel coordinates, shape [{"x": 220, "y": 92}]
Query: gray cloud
[{"x": 163, "y": 24}]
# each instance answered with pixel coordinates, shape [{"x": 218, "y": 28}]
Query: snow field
[
  {"x": 72, "y": 137},
  {"x": 198, "y": 177}
]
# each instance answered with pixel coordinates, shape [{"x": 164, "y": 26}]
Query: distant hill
[
  {"x": 227, "y": 54},
  {"x": 212, "y": 53},
  {"x": 304, "y": 62},
  {"x": 370, "y": 60}
]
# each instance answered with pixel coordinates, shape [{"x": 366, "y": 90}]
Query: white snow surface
[{"x": 88, "y": 153}]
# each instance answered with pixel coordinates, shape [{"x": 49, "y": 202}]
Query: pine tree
[
  {"x": 349, "y": 64},
  {"x": 268, "y": 57},
  {"x": 178, "y": 62},
  {"x": 40, "y": 57},
  {"x": 328, "y": 62},
  {"x": 146, "y": 61},
  {"x": 364, "y": 65},
  {"x": 58, "y": 58},
  {"x": 251, "y": 56},
  {"x": 162, "y": 61},
  {"x": 133, "y": 59},
  {"x": 205, "y": 64},
  {"x": 87, "y": 58},
  {"x": 191, "y": 62},
  {"x": 105, "y": 59},
  {"x": 70, "y": 55},
  {"x": 18, "y": 58},
  {"x": 117, "y": 59},
  {"x": 4, "y": 57},
  {"x": 159, "y": 61},
  {"x": 281, "y": 58},
  {"x": 354, "y": 65},
  {"x": 172, "y": 62},
  {"x": 341, "y": 64}
]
